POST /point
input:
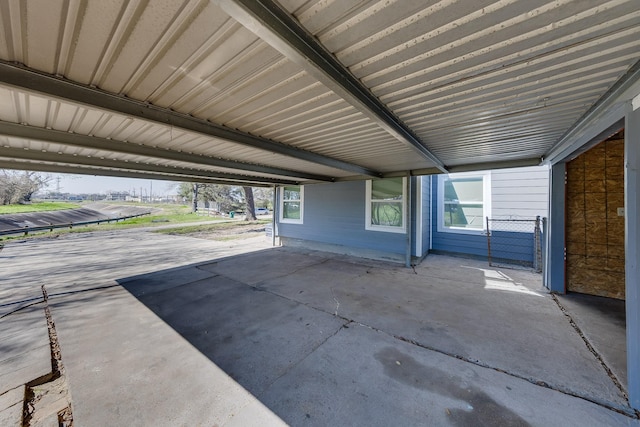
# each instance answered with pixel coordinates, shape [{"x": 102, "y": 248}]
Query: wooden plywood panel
[
  {"x": 597, "y": 282},
  {"x": 594, "y": 230}
]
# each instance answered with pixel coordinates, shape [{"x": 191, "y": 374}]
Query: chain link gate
[{"x": 515, "y": 241}]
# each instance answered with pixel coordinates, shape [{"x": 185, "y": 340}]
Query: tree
[
  {"x": 263, "y": 197},
  {"x": 228, "y": 197},
  {"x": 19, "y": 187},
  {"x": 250, "y": 214},
  {"x": 195, "y": 198}
]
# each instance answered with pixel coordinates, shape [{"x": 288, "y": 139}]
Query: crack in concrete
[
  {"x": 624, "y": 411},
  {"x": 593, "y": 351},
  {"x": 313, "y": 350},
  {"x": 627, "y": 411},
  {"x": 48, "y": 398}
]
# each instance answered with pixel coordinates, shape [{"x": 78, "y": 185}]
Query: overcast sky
[{"x": 78, "y": 184}]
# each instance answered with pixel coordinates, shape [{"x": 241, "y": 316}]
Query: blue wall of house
[
  {"x": 335, "y": 214},
  {"x": 451, "y": 242},
  {"x": 515, "y": 194}
]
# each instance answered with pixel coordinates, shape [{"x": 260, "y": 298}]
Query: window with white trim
[
  {"x": 464, "y": 201},
  {"x": 292, "y": 204},
  {"x": 386, "y": 205}
]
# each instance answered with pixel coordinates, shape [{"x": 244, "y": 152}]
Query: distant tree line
[{"x": 19, "y": 186}]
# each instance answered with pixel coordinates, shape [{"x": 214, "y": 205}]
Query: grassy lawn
[
  {"x": 37, "y": 207},
  {"x": 153, "y": 220}
]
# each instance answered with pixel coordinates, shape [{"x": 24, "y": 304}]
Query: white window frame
[
  {"x": 386, "y": 228},
  {"x": 282, "y": 202},
  {"x": 486, "y": 202}
]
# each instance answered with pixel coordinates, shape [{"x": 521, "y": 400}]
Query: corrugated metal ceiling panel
[
  {"x": 189, "y": 56},
  {"x": 476, "y": 81},
  {"x": 36, "y": 110},
  {"x": 445, "y": 64},
  {"x": 48, "y": 152}
]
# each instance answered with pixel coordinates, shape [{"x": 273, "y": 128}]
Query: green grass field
[{"x": 37, "y": 207}]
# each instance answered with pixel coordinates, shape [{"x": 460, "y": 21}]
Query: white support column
[
  {"x": 274, "y": 218},
  {"x": 418, "y": 220},
  {"x": 632, "y": 253},
  {"x": 408, "y": 217},
  {"x": 554, "y": 274}
]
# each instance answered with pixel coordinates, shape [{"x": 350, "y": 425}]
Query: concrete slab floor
[
  {"x": 73, "y": 265},
  {"x": 25, "y": 353},
  {"x": 460, "y": 308},
  {"x": 212, "y": 336},
  {"x": 11, "y": 404},
  {"x": 602, "y": 321}
]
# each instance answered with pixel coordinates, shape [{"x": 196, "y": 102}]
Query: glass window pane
[
  {"x": 386, "y": 213},
  {"x": 463, "y": 215},
  {"x": 463, "y": 189},
  {"x": 291, "y": 210},
  {"x": 292, "y": 193},
  {"x": 386, "y": 189}
]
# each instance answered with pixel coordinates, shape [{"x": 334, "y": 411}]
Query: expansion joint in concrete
[
  {"x": 593, "y": 351},
  {"x": 627, "y": 411},
  {"x": 47, "y": 399}
]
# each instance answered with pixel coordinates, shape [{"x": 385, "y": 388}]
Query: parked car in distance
[{"x": 262, "y": 211}]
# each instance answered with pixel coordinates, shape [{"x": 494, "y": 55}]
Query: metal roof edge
[{"x": 608, "y": 110}]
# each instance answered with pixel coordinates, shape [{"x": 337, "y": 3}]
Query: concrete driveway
[{"x": 237, "y": 333}]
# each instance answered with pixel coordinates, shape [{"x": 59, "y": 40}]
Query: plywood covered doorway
[{"x": 595, "y": 220}]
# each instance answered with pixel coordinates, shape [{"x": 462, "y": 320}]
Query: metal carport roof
[{"x": 251, "y": 92}]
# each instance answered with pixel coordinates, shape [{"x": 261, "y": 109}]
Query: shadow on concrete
[{"x": 323, "y": 339}]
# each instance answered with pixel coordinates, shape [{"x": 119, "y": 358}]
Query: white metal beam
[
  {"x": 32, "y": 80},
  {"x": 110, "y": 145},
  {"x": 83, "y": 170},
  {"x": 278, "y": 28}
]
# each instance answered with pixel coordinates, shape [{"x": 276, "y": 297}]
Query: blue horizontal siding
[
  {"x": 511, "y": 245},
  {"x": 469, "y": 244},
  {"x": 335, "y": 214},
  {"x": 505, "y": 245}
]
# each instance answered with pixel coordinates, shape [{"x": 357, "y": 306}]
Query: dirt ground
[{"x": 240, "y": 230}]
